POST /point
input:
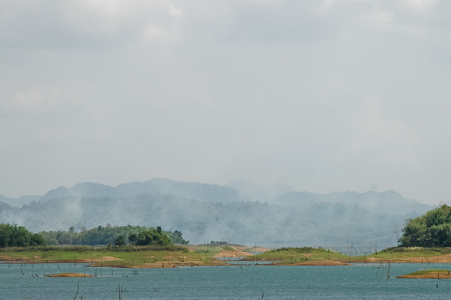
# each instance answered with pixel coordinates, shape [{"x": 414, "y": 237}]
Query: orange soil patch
[
  {"x": 372, "y": 260},
  {"x": 246, "y": 249},
  {"x": 10, "y": 258},
  {"x": 259, "y": 249},
  {"x": 227, "y": 253},
  {"x": 69, "y": 275},
  {"x": 240, "y": 251}
]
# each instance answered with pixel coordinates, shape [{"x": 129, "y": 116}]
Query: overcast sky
[{"x": 322, "y": 95}]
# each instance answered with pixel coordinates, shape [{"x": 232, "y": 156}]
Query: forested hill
[
  {"x": 206, "y": 212},
  {"x": 157, "y": 186}
]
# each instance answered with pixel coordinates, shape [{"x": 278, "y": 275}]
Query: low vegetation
[{"x": 152, "y": 256}]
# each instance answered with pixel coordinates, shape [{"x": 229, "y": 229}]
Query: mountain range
[{"x": 240, "y": 212}]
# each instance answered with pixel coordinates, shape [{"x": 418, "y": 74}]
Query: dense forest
[
  {"x": 114, "y": 235},
  {"x": 433, "y": 229},
  {"x": 18, "y": 236}
]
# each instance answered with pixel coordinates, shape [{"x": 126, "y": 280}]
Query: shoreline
[
  {"x": 112, "y": 262},
  {"x": 201, "y": 255}
]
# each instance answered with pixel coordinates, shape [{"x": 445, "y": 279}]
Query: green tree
[
  {"x": 18, "y": 236},
  {"x": 120, "y": 241},
  {"x": 176, "y": 237},
  {"x": 433, "y": 229},
  {"x": 133, "y": 238},
  {"x": 139, "y": 235},
  {"x": 152, "y": 236}
]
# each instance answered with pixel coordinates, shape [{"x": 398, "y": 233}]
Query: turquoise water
[{"x": 231, "y": 282}]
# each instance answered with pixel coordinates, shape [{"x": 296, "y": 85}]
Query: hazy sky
[{"x": 322, "y": 95}]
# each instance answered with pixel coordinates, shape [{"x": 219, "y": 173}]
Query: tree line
[
  {"x": 114, "y": 235},
  {"x": 433, "y": 229},
  {"x": 18, "y": 236}
]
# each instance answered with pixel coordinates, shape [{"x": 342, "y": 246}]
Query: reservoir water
[{"x": 359, "y": 281}]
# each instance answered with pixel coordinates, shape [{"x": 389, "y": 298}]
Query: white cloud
[
  {"x": 421, "y": 4},
  {"x": 219, "y": 89},
  {"x": 124, "y": 19},
  {"x": 387, "y": 141},
  {"x": 36, "y": 98},
  {"x": 175, "y": 11}
]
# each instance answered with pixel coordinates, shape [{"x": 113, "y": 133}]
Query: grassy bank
[
  {"x": 429, "y": 274},
  {"x": 320, "y": 256},
  {"x": 300, "y": 256},
  {"x": 126, "y": 257},
  {"x": 205, "y": 255}
]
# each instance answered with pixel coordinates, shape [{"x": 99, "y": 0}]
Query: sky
[{"x": 321, "y": 95}]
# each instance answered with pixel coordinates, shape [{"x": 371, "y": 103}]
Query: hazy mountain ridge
[
  {"x": 390, "y": 202},
  {"x": 205, "y": 212},
  {"x": 18, "y": 202},
  {"x": 199, "y": 191}
]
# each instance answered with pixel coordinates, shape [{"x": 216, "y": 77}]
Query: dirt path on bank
[{"x": 240, "y": 251}]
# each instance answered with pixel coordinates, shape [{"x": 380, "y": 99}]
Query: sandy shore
[{"x": 225, "y": 253}]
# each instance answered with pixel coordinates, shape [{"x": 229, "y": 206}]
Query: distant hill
[
  {"x": 389, "y": 202},
  {"x": 240, "y": 212},
  {"x": 18, "y": 202},
  {"x": 156, "y": 186},
  {"x": 259, "y": 192}
]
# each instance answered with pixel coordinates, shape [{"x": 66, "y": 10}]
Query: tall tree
[{"x": 433, "y": 229}]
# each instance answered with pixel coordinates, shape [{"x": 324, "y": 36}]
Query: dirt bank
[{"x": 236, "y": 253}]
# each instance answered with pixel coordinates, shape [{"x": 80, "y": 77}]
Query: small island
[{"x": 429, "y": 274}]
